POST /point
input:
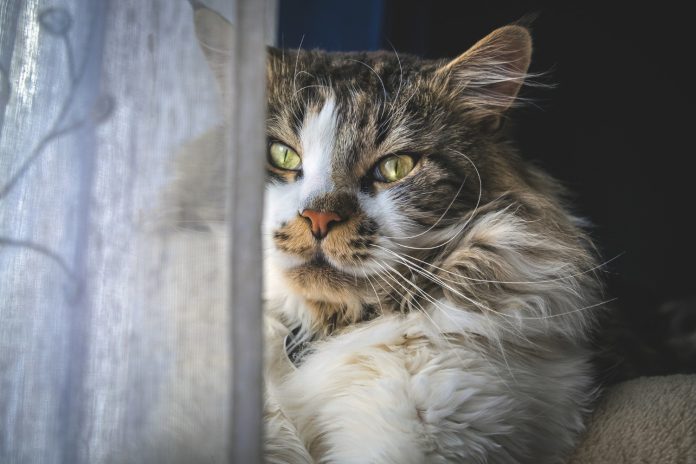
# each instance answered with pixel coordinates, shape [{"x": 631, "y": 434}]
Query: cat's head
[{"x": 374, "y": 158}]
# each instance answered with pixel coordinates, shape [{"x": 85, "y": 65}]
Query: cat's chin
[
  {"x": 317, "y": 261},
  {"x": 318, "y": 264},
  {"x": 318, "y": 279}
]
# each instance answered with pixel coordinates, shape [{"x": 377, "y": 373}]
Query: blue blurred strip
[{"x": 334, "y": 25}]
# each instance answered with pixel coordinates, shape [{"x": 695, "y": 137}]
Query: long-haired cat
[{"x": 429, "y": 297}]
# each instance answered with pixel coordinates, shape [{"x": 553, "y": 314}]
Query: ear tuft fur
[{"x": 489, "y": 75}]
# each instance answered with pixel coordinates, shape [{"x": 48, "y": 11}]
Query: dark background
[{"x": 616, "y": 128}]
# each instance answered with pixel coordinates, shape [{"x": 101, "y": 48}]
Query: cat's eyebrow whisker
[
  {"x": 311, "y": 86},
  {"x": 297, "y": 60},
  {"x": 394, "y": 113},
  {"x": 384, "y": 89},
  {"x": 399, "y": 112},
  {"x": 299, "y": 73},
  {"x": 466, "y": 223},
  {"x": 401, "y": 109},
  {"x": 401, "y": 72}
]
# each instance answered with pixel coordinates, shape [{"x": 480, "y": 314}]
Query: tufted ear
[
  {"x": 215, "y": 36},
  {"x": 488, "y": 76}
]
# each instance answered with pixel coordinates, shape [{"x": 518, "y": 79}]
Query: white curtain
[{"x": 115, "y": 328}]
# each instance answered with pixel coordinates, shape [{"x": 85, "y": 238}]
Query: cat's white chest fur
[{"x": 396, "y": 390}]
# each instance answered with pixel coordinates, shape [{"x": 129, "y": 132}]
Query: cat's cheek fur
[
  {"x": 383, "y": 208},
  {"x": 281, "y": 206}
]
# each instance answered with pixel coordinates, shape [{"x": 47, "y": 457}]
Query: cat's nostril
[{"x": 320, "y": 221}]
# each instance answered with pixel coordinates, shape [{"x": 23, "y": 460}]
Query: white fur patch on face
[
  {"x": 384, "y": 209},
  {"x": 283, "y": 202},
  {"x": 317, "y": 139}
]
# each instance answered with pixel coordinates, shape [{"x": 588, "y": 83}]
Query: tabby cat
[{"x": 429, "y": 297}]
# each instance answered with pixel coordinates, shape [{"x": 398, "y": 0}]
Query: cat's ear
[
  {"x": 489, "y": 75},
  {"x": 216, "y": 37}
]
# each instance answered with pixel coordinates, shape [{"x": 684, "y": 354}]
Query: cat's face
[{"x": 373, "y": 158}]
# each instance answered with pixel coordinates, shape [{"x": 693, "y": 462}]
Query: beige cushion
[{"x": 646, "y": 420}]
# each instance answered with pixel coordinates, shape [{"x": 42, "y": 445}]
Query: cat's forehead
[
  {"x": 368, "y": 100},
  {"x": 381, "y": 75},
  {"x": 351, "y": 67}
]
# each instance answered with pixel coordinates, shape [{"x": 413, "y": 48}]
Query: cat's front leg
[
  {"x": 352, "y": 402},
  {"x": 388, "y": 393},
  {"x": 282, "y": 444}
]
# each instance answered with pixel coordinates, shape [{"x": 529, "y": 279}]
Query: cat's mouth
[
  {"x": 329, "y": 272},
  {"x": 345, "y": 250}
]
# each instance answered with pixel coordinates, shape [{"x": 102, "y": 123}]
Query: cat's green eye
[
  {"x": 394, "y": 167},
  {"x": 284, "y": 157}
]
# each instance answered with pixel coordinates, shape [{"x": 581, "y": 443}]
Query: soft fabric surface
[{"x": 646, "y": 420}]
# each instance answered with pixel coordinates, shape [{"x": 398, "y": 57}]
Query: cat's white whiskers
[
  {"x": 443, "y": 333},
  {"x": 505, "y": 282},
  {"x": 491, "y": 323},
  {"x": 386, "y": 292},
  {"x": 389, "y": 270},
  {"x": 404, "y": 301},
  {"x": 379, "y": 300},
  {"x": 444, "y": 312},
  {"x": 436, "y": 279}
]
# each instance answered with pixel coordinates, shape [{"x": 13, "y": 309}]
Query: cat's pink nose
[{"x": 321, "y": 220}]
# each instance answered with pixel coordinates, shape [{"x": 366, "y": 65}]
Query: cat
[{"x": 429, "y": 296}]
